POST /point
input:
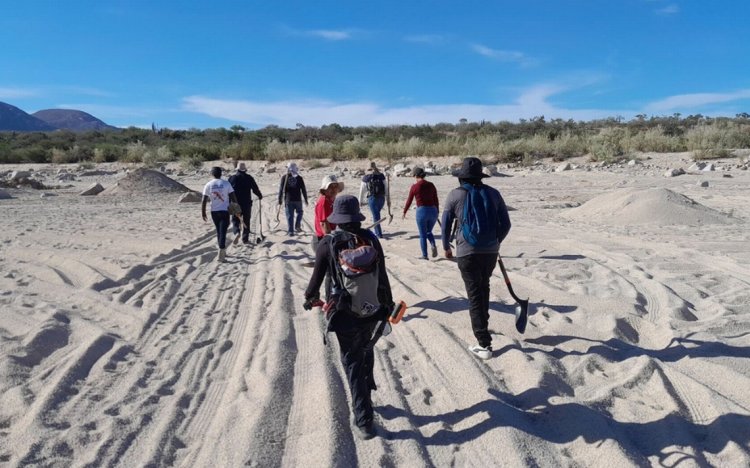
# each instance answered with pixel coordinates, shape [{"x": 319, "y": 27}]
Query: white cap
[{"x": 328, "y": 180}]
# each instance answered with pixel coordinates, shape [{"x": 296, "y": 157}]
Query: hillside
[
  {"x": 70, "y": 119},
  {"x": 14, "y": 119}
]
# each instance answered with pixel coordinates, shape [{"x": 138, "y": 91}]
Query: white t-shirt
[{"x": 218, "y": 191}]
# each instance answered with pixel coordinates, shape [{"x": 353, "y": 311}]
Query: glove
[{"x": 308, "y": 304}]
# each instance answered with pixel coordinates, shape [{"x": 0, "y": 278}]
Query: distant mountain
[
  {"x": 14, "y": 119},
  {"x": 74, "y": 120}
]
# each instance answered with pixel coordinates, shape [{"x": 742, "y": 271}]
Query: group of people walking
[{"x": 351, "y": 262}]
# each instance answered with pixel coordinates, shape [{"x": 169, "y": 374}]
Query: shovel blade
[{"x": 522, "y": 315}]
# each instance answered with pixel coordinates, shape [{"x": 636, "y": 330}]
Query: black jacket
[{"x": 243, "y": 184}]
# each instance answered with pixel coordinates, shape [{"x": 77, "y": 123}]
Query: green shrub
[
  {"x": 357, "y": 148},
  {"x": 607, "y": 145},
  {"x": 191, "y": 162}
]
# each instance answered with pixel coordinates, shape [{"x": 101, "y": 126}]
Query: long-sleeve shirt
[
  {"x": 425, "y": 194},
  {"x": 292, "y": 189},
  {"x": 454, "y": 207},
  {"x": 244, "y": 185}
]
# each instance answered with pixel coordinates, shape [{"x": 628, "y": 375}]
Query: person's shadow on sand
[
  {"x": 449, "y": 305},
  {"x": 566, "y": 422},
  {"x": 618, "y": 350}
]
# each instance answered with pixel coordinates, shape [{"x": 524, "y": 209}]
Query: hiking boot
[
  {"x": 480, "y": 352},
  {"x": 222, "y": 255},
  {"x": 367, "y": 431},
  {"x": 420, "y": 257},
  {"x": 434, "y": 251},
  {"x": 246, "y": 241}
]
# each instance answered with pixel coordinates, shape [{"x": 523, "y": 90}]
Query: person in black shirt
[
  {"x": 354, "y": 333},
  {"x": 291, "y": 192},
  {"x": 244, "y": 186}
]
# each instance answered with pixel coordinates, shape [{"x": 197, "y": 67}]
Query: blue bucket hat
[{"x": 345, "y": 210}]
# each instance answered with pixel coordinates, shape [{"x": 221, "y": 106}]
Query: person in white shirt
[{"x": 219, "y": 193}]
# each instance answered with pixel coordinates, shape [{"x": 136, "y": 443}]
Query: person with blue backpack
[{"x": 482, "y": 224}]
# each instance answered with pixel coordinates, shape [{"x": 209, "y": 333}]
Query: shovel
[{"x": 522, "y": 309}]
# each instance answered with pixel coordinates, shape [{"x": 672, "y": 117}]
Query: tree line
[{"x": 520, "y": 142}]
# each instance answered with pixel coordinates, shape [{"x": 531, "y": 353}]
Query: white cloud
[
  {"x": 330, "y": 34},
  {"x": 17, "y": 93},
  {"x": 503, "y": 55},
  {"x": 670, "y": 9},
  {"x": 326, "y": 34},
  {"x": 529, "y": 103},
  {"x": 696, "y": 100}
]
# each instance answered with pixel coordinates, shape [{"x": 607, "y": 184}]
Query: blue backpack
[{"x": 479, "y": 220}]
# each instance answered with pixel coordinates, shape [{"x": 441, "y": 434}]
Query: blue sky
[{"x": 256, "y": 63}]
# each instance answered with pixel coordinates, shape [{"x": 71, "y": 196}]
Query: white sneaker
[{"x": 481, "y": 353}]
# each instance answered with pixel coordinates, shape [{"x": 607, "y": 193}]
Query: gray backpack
[{"x": 356, "y": 274}]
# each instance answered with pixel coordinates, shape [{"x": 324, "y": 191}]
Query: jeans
[
  {"x": 221, "y": 221},
  {"x": 358, "y": 365},
  {"x": 293, "y": 224},
  {"x": 376, "y": 204},
  {"x": 426, "y": 219},
  {"x": 246, "y": 210},
  {"x": 476, "y": 270}
]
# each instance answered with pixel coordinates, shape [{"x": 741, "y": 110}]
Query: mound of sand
[
  {"x": 145, "y": 181},
  {"x": 649, "y": 206}
]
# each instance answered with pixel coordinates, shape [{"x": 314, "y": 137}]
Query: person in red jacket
[{"x": 427, "y": 210}]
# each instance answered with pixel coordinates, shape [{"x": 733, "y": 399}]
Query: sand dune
[{"x": 122, "y": 342}]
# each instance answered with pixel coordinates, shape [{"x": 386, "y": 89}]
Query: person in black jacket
[
  {"x": 244, "y": 186},
  {"x": 291, "y": 192},
  {"x": 355, "y": 335}
]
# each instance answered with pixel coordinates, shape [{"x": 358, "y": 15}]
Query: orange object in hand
[{"x": 397, "y": 312}]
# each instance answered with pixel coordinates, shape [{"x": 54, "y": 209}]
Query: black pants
[
  {"x": 246, "y": 210},
  {"x": 221, "y": 221},
  {"x": 476, "y": 271},
  {"x": 358, "y": 364}
]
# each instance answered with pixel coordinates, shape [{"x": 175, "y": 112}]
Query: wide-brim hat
[
  {"x": 345, "y": 210},
  {"x": 241, "y": 167},
  {"x": 328, "y": 180},
  {"x": 471, "y": 168}
]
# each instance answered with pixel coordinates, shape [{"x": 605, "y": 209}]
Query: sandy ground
[{"x": 123, "y": 343}]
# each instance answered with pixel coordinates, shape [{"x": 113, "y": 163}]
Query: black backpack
[
  {"x": 376, "y": 185},
  {"x": 355, "y": 278}
]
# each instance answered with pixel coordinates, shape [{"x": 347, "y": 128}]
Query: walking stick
[
  {"x": 260, "y": 221},
  {"x": 278, "y": 210},
  {"x": 522, "y": 309},
  {"x": 388, "y": 197}
]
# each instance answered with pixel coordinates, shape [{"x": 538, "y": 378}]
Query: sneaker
[
  {"x": 480, "y": 352},
  {"x": 434, "y": 251},
  {"x": 366, "y": 432},
  {"x": 222, "y": 255},
  {"x": 419, "y": 257}
]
